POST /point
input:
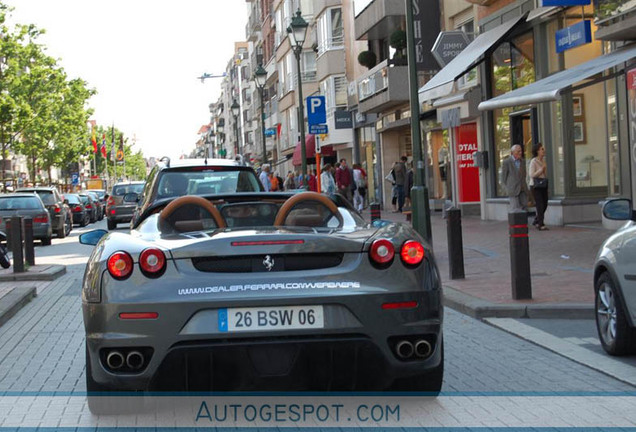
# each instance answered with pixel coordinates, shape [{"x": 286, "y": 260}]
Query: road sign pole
[{"x": 318, "y": 172}]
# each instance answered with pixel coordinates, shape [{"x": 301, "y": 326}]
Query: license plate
[{"x": 271, "y": 318}]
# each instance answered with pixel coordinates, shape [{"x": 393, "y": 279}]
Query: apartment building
[{"x": 379, "y": 96}]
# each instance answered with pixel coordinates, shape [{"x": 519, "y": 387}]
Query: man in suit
[{"x": 513, "y": 176}]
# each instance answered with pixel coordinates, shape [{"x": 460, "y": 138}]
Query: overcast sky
[{"x": 143, "y": 57}]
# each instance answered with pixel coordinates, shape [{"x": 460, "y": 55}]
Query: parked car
[
  {"x": 27, "y": 204},
  {"x": 615, "y": 282},
  {"x": 54, "y": 203},
  {"x": 89, "y": 206},
  {"x": 261, "y": 291},
  {"x": 81, "y": 215},
  {"x": 118, "y": 211},
  {"x": 101, "y": 193},
  {"x": 100, "y": 210},
  {"x": 169, "y": 180}
]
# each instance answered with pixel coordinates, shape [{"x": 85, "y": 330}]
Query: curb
[
  {"x": 47, "y": 273},
  {"x": 480, "y": 308},
  {"x": 15, "y": 300}
]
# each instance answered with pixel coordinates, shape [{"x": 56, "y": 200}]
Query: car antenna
[{"x": 166, "y": 159}]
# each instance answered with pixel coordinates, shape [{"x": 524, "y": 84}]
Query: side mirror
[
  {"x": 618, "y": 209},
  {"x": 93, "y": 237},
  {"x": 131, "y": 197}
]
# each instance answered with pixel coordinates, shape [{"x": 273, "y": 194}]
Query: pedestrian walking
[
  {"x": 539, "y": 184},
  {"x": 264, "y": 177},
  {"x": 327, "y": 183},
  {"x": 361, "y": 185},
  {"x": 400, "y": 174},
  {"x": 344, "y": 180},
  {"x": 513, "y": 177},
  {"x": 290, "y": 183}
]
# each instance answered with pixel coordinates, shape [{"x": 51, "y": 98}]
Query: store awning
[
  {"x": 310, "y": 151},
  {"x": 443, "y": 83},
  {"x": 549, "y": 89}
]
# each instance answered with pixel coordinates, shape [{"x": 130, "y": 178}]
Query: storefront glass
[
  {"x": 555, "y": 150},
  {"x": 512, "y": 68}
]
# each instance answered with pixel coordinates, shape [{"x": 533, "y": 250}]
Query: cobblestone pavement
[{"x": 561, "y": 260}]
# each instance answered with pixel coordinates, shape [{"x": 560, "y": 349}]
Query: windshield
[
  {"x": 72, "y": 199},
  {"x": 122, "y": 190},
  {"x": 20, "y": 203},
  {"x": 178, "y": 183}
]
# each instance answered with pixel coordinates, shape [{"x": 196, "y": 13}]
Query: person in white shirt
[
  {"x": 327, "y": 183},
  {"x": 264, "y": 177}
]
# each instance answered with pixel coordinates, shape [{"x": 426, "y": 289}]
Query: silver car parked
[{"x": 615, "y": 282}]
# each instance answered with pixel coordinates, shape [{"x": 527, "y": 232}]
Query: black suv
[
  {"x": 57, "y": 208},
  {"x": 193, "y": 177}
]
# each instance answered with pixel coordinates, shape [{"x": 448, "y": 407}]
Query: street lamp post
[
  {"x": 297, "y": 32},
  {"x": 260, "y": 77},
  {"x": 236, "y": 108}
]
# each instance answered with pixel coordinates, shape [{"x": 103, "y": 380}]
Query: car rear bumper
[{"x": 356, "y": 352}]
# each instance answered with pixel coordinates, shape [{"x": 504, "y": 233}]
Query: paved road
[{"x": 42, "y": 347}]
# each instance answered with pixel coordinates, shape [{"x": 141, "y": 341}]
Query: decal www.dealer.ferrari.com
[{"x": 269, "y": 286}]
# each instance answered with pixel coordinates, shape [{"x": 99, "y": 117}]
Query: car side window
[{"x": 146, "y": 194}]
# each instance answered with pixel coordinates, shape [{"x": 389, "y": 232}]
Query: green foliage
[
  {"x": 367, "y": 59},
  {"x": 43, "y": 112},
  {"x": 397, "y": 40}
]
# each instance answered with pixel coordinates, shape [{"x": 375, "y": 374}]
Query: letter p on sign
[{"x": 316, "y": 110}]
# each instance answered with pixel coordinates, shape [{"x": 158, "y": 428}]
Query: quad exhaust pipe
[
  {"x": 115, "y": 360},
  {"x": 420, "y": 349}
]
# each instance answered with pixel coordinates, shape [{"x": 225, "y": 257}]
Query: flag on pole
[
  {"x": 94, "y": 141},
  {"x": 103, "y": 146}
]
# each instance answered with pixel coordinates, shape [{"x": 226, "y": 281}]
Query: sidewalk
[{"x": 561, "y": 260}]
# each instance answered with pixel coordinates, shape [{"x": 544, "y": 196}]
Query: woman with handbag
[{"x": 538, "y": 172}]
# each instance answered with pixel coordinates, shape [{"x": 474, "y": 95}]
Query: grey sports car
[{"x": 261, "y": 291}]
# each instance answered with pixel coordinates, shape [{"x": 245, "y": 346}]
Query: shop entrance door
[{"x": 524, "y": 130}]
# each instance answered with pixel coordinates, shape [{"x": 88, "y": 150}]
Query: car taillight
[
  {"x": 43, "y": 218},
  {"x": 412, "y": 252},
  {"x": 120, "y": 265},
  {"x": 57, "y": 209},
  {"x": 382, "y": 251},
  {"x": 77, "y": 209},
  {"x": 152, "y": 262},
  {"x": 88, "y": 206}
]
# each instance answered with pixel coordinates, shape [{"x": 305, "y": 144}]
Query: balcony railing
[{"x": 383, "y": 86}]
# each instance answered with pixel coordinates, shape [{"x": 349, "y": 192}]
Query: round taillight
[
  {"x": 120, "y": 265},
  {"x": 382, "y": 251},
  {"x": 152, "y": 262},
  {"x": 412, "y": 252}
]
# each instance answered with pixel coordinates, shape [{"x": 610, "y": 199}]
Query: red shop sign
[{"x": 467, "y": 173}]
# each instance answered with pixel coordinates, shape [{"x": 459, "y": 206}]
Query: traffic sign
[
  {"x": 270, "y": 132},
  {"x": 75, "y": 179},
  {"x": 316, "y": 110},
  {"x": 318, "y": 129}
]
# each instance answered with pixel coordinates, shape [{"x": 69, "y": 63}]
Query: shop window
[{"x": 512, "y": 68}]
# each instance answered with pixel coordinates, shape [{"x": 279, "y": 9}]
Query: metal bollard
[
  {"x": 455, "y": 243},
  {"x": 16, "y": 243},
  {"x": 375, "y": 212},
  {"x": 520, "y": 256},
  {"x": 29, "y": 249},
  {"x": 8, "y": 233}
]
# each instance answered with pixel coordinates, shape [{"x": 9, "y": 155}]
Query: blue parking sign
[
  {"x": 75, "y": 179},
  {"x": 316, "y": 110}
]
